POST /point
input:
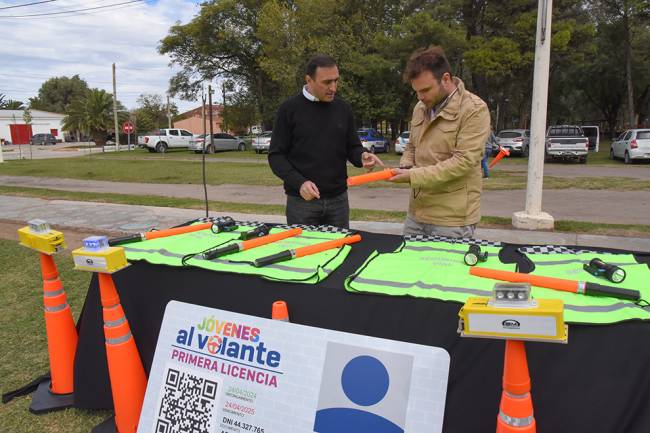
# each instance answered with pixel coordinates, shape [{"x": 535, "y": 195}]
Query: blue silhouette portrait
[{"x": 365, "y": 382}]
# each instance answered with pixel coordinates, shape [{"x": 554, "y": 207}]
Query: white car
[
  {"x": 262, "y": 142},
  {"x": 633, "y": 144},
  {"x": 402, "y": 141}
]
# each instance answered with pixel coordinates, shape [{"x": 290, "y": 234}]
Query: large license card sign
[{"x": 221, "y": 372}]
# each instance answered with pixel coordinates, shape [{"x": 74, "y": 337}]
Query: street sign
[{"x": 127, "y": 127}]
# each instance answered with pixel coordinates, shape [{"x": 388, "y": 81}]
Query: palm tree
[
  {"x": 10, "y": 104},
  {"x": 92, "y": 114}
]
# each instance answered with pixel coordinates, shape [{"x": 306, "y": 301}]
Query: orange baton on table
[
  {"x": 251, "y": 243},
  {"x": 170, "y": 232},
  {"x": 306, "y": 251},
  {"x": 582, "y": 287},
  {"x": 371, "y": 177}
]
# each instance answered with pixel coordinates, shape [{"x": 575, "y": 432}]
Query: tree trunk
[{"x": 628, "y": 71}]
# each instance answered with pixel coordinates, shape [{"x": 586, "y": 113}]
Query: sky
[{"x": 87, "y": 43}]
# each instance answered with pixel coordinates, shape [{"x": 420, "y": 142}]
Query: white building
[{"x": 14, "y": 129}]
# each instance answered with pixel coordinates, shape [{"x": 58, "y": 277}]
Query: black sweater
[{"x": 312, "y": 141}]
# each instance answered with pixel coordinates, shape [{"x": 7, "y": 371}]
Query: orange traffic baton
[
  {"x": 371, "y": 177},
  {"x": 582, "y": 287},
  {"x": 280, "y": 311},
  {"x": 516, "y": 408},
  {"x": 502, "y": 152},
  {"x": 251, "y": 243},
  {"x": 127, "y": 376},
  {"x": 219, "y": 225},
  {"x": 306, "y": 251}
]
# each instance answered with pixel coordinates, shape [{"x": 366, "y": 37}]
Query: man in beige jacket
[{"x": 442, "y": 161}]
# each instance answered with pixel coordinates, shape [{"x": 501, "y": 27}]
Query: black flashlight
[
  {"x": 474, "y": 255},
  {"x": 599, "y": 268}
]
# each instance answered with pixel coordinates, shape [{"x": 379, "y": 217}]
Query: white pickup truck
[
  {"x": 566, "y": 141},
  {"x": 164, "y": 139}
]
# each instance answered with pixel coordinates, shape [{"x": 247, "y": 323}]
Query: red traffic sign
[{"x": 127, "y": 127}]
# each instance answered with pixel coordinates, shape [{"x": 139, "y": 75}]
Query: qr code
[{"x": 187, "y": 403}]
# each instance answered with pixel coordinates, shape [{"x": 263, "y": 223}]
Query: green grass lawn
[{"x": 22, "y": 335}]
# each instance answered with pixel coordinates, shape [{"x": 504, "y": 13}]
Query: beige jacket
[{"x": 445, "y": 153}]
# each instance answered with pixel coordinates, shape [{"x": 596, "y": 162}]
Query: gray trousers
[
  {"x": 412, "y": 227},
  {"x": 334, "y": 211}
]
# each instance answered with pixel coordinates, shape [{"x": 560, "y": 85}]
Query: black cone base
[
  {"x": 43, "y": 401},
  {"x": 106, "y": 426}
]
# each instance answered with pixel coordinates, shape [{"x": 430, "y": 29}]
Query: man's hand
[
  {"x": 370, "y": 160},
  {"x": 402, "y": 175},
  {"x": 309, "y": 191}
]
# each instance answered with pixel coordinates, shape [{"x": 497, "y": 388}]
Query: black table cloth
[{"x": 599, "y": 382}]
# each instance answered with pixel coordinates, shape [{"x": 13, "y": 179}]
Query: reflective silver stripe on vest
[
  {"x": 53, "y": 293},
  {"x": 119, "y": 340},
  {"x": 280, "y": 267},
  {"x": 57, "y": 308},
  {"x": 601, "y": 308},
  {"x": 516, "y": 422},
  {"x": 586, "y": 262},
  {"x": 421, "y": 285},
  {"x": 424, "y": 248},
  {"x": 114, "y": 323}
]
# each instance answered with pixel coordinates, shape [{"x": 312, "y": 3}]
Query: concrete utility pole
[
  {"x": 224, "y": 128},
  {"x": 210, "y": 115},
  {"x": 169, "y": 114},
  {"x": 533, "y": 218},
  {"x": 117, "y": 131},
  {"x": 203, "y": 111}
]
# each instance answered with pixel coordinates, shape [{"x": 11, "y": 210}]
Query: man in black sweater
[{"x": 313, "y": 138}]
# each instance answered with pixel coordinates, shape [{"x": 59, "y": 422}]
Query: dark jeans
[{"x": 334, "y": 211}]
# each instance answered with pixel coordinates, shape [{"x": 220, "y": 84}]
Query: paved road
[
  {"x": 60, "y": 150},
  {"x": 617, "y": 207}
]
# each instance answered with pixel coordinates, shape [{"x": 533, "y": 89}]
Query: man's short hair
[
  {"x": 319, "y": 61},
  {"x": 427, "y": 59}
]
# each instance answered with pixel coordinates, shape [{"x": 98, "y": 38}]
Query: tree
[
  {"x": 630, "y": 16},
  {"x": 57, "y": 93},
  {"x": 241, "y": 112},
  {"x": 93, "y": 115},
  {"x": 10, "y": 104},
  {"x": 221, "y": 41},
  {"x": 151, "y": 112}
]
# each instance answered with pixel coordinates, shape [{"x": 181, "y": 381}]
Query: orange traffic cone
[
  {"x": 502, "y": 152},
  {"x": 128, "y": 380},
  {"x": 61, "y": 343},
  {"x": 280, "y": 311},
  {"x": 516, "y": 409}
]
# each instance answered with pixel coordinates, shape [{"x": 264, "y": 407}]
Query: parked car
[
  {"x": 262, "y": 142},
  {"x": 401, "y": 142},
  {"x": 566, "y": 141},
  {"x": 593, "y": 134},
  {"x": 517, "y": 141},
  {"x": 164, "y": 139},
  {"x": 42, "y": 139},
  {"x": 220, "y": 141},
  {"x": 372, "y": 140},
  {"x": 633, "y": 144}
]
